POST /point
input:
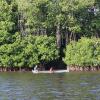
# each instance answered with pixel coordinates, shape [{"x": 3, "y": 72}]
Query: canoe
[{"x": 55, "y": 71}]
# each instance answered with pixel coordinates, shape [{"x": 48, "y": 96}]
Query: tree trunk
[
  {"x": 21, "y": 23},
  {"x": 71, "y": 34},
  {"x": 58, "y": 35}
]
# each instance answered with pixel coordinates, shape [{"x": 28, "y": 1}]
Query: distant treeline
[{"x": 37, "y": 32}]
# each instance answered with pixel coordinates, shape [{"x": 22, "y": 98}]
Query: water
[{"x": 66, "y": 86}]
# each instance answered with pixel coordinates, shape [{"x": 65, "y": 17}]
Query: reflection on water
[{"x": 67, "y": 86}]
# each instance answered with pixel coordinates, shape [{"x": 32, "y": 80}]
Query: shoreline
[{"x": 70, "y": 68}]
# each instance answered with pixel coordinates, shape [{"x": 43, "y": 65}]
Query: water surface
[{"x": 66, "y": 86}]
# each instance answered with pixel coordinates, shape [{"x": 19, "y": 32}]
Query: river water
[{"x": 66, "y": 86}]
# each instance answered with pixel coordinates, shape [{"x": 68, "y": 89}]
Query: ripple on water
[{"x": 26, "y": 86}]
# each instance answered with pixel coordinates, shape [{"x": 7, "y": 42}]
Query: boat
[{"x": 54, "y": 71}]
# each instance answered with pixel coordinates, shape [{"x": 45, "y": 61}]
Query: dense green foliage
[
  {"x": 69, "y": 19},
  {"x": 32, "y": 31},
  {"x": 85, "y": 52},
  {"x": 66, "y": 19},
  {"x": 28, "y": 51}
]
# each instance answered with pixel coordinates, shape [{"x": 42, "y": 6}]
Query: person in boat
[
  {"x": 51, "y": 70},
  {"x": 36, "y": 68}
]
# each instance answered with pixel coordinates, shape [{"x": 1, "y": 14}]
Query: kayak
[{"x": 55, "y": 71}]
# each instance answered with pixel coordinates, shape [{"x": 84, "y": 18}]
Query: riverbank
[
  {"x": 71, "y": 69},
  {"x": 15, "y": 69},
  {"x": 83, "y": 69}
]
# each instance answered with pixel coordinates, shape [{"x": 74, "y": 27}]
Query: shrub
[
  {"x": 28, "y": 51},
  {"x": 85, "y": 52}
]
